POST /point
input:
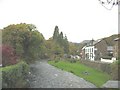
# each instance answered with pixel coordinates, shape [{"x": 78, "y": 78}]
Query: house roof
[
  {"x": 94, "y": 42},
  {"x": 84, "y": 47},
  {"x": 97, "y": 41}
]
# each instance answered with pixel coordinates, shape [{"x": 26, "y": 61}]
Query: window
[{"x": 92, "y": 55}]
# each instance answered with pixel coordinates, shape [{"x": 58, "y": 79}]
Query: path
[{"x": 43, "y": 75}]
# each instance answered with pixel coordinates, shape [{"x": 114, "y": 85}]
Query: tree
[
  {"x": 56, "y": 33},
  {"x": 61, "y": 35},
  {"x": 25, "y": 39},
  {"x": 108, "y": 4},
  {"x": 73, "y": 48},
  {"x": 31, "y": 27},
  {"x": 36, "y": 45},
  {"x": 61, "y": 40},
  {"x": 66, "y": 45},
  {"x": 57, "y": 50},
  {"x": 53, "y": 49},
  {"x": 8, "y": 55}
]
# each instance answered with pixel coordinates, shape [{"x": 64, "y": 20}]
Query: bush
[
  {"x": 8, "y": 55},
  {"x": 56, "y": 61},
  {"x": 72, "y": 60},
  {"x": 14, "y": 76},
  {"x": 117, "y": 62}
]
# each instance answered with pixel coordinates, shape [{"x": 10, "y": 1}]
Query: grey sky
[{"x": 78, "y": 19}]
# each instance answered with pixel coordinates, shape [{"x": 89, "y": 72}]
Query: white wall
[
  {"x": 90, "y": 51},
  {"x": 107, "y": 60}
]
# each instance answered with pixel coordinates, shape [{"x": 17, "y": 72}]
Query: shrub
[
  {"x": 73, "y": 60},
  {"x": 14, "y": 76},
  {"x": 8, "y": 55},
  {"x": 71, "y": 71},
  {"x": 56, "y": 61}
]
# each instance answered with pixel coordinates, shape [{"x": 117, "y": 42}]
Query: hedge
[{"x": 14, "y": 76}]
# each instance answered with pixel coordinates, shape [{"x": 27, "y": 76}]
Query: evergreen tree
[
  {"x": 61, "y": 35},
  {"x": 56, "y": 33},
  {"x": 61, "y": 40},
  {"x": 66, "y": 45}
]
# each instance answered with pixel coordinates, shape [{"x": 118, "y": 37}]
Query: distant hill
[
  {"x": 109, "y": 40},
  {"x": 85, "y": 41}
]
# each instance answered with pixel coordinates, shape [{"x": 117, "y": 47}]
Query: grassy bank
[{"x": 92, "y": 75}]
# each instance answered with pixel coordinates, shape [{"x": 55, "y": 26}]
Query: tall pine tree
[
  {"x": 61, "y": 40},
  {"x": 66, "y": 45},
  {"x": 56, "y": 33}
]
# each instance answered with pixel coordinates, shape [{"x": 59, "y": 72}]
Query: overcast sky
[{"x": 78, "y": 19}]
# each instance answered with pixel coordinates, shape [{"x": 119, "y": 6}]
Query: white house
[
  {"x": 95, "y": 50},
  {"x": 89, "y": 52}
]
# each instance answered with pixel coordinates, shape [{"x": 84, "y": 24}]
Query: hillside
[{"x": 110, "y": 40}]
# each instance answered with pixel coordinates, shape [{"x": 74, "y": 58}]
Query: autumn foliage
[{"x": 8, "y": 55}]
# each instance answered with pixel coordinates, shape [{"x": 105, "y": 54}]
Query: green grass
[{"x": 96, "y": 77}]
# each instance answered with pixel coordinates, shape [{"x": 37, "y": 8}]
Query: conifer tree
[{"x": 56, "y": 33}]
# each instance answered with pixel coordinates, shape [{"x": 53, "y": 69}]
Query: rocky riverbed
[{"x": 43, "y": 75}]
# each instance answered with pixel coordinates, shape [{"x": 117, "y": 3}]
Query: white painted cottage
[{"x": 95, "y": 50}]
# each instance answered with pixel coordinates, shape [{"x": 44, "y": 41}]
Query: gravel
[{"x": 43, "y": 75}]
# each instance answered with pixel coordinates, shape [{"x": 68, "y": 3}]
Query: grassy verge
[{"x": 92, "y": 75}]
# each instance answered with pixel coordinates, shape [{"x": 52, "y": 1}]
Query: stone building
[{"x": 95, "y": 50}]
